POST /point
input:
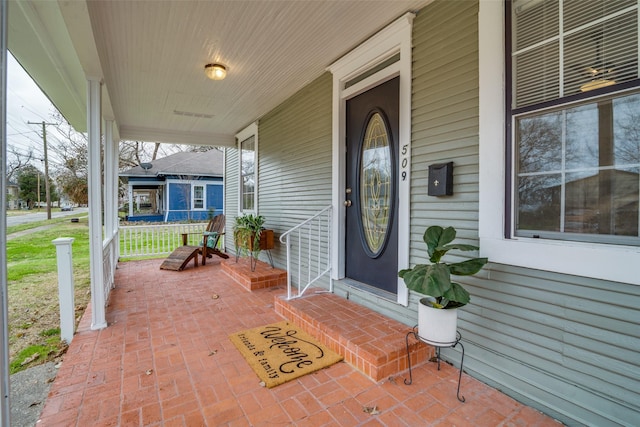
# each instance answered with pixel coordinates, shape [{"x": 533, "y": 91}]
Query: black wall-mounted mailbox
[{"x": 441, "y": 179}]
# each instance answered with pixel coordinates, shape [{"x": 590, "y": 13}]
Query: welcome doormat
[{"x": 281, "y": 352}]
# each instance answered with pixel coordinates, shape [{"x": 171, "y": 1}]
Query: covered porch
[
  {"x": 537, "y": 328},
  {"x": 166, "y": 359}
]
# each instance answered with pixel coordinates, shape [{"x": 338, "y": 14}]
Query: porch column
[
  {"x": 94, "y": 121},
  {"x": 115, "y": 147},
  {"x": 5, "y": 413},
  {"x": 110, "y": 169},
  {"x": 130, "y": 194}
]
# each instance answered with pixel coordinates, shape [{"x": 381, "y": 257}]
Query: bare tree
[
  {"x": 132, "y": 153},
  {"x": 72, "y": 149},
  {"x": 16, "y": 160}
]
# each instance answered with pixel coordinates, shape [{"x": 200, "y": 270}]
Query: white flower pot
[{"x": 437, "y": 326}]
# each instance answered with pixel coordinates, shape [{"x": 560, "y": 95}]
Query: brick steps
[{"x": 371, "y": 342}]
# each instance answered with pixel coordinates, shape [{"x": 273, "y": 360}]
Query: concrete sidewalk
[
  {"x": 29, "y": 231},
  {"x": 29, "y": 390}
]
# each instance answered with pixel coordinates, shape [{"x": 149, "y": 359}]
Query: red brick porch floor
[{"x": 166, "y": 360}]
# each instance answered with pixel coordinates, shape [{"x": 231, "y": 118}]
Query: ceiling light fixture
[{"x": 215, "y": 71}]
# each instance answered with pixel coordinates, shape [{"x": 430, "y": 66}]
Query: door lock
[
  {"x": 347, "y": 203},
  {"x": 348, "y": 191}
]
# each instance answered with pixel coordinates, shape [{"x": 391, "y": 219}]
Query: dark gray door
[{"x": 372, "y": 152}]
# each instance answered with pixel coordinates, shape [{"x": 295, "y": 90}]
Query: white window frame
[
  {"x": 243, "y": 135},
  {"x": 601, "y": 261},
  {"x": 392, "y": 40},
  {"x": 193, "y": 196}
]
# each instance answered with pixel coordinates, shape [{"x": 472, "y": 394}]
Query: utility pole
[{"x": 46, "y": 167}]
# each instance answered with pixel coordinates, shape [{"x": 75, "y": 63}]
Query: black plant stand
[
  {"x": 266, "y": 244},
  {"x": 414, "y": 332}
]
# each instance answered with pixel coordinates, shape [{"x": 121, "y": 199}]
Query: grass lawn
[{"x": 34, "y": 314}]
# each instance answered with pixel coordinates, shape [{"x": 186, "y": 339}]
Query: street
[{"x": 42, "y": 216}]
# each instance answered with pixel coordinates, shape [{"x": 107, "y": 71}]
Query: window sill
[{"x": 608, "y": 262}]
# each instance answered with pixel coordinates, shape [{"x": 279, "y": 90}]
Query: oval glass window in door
[{"x": 375, "y": 184}]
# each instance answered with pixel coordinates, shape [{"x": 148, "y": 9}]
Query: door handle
[{"x": 347, "y": 203}]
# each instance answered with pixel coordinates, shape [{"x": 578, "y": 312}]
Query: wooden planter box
[{"x": 266, "y": 240}]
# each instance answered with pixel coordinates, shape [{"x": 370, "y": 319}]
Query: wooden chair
[
  {"x": 180, "y": 257},
  {"x": 210, "y": 238}
]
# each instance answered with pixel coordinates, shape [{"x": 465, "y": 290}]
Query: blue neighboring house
[{"x": 181, "y": 187}]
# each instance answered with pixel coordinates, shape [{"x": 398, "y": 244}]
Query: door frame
[{"x": 393, "y": 40}]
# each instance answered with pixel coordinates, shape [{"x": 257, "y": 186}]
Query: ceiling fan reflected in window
[{"x": 601, "y": 73}]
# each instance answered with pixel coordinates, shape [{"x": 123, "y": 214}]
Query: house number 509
[{"x": 405, "y": 162}]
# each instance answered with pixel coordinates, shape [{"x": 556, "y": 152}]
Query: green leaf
[
  {"x": 416, "y": 278},
  {"x": 436, "y": 238},
  {"x": 468, "y": 267},
  {"x": 448, "y": 235},
  {"x": 432, "y": 280},
  {"x": 431, "y": 238},
  {"x": 440, "y": 279},
  {"x": 458, "y": 294}
]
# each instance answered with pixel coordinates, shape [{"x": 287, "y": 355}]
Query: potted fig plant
[{"x": 438, "y": 310}]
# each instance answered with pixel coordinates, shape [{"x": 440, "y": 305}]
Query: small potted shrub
[
  {"x": 250, "y": 236},
  {"x": 437, "y": 311}
]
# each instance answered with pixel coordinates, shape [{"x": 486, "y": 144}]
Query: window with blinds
[
  {"x": 575, "y": 109},
  {"x": 248, "y": 174},
  {"x": 568, "y": 47}
]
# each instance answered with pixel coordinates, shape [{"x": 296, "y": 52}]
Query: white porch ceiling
[{"x": 151, "y": 56}]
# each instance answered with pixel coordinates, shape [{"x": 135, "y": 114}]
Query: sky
[{"x": 27, "y": 103}]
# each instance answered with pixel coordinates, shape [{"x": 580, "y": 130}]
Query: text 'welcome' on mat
[{"x": 281, "y": 352}]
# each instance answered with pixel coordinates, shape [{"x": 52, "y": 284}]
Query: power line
[
  {"x": 46, "y": 164},
  {"x": 26, "y": 102},
  {"x": 26, "y": 143},
  {"x": 19, "y": 133},
  {"x": 21, "y": 141},
  {"x": 36, "y": 153}
]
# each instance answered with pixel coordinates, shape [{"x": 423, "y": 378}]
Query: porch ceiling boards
[{"x": 151, "y": 55}]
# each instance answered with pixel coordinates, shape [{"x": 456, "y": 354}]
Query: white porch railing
[
  {"x": 110, "y": 259},
  {"x": 308, "y": 252},
  {"x": 149, "y": 240}
]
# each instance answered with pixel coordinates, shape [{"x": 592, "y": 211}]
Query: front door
[{"x": 371, "y": 192}]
